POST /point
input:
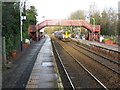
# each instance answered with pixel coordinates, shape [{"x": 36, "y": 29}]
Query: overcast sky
[{"x": 61, "y": 9}]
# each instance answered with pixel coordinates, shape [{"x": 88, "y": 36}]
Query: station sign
[{"x": 23, "y": 18}]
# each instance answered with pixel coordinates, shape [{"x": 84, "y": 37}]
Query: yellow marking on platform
[
  {"x": 34, "y": 77},
  {"x": 33, "y": 82},
  {"x": 32, "y": 86}
]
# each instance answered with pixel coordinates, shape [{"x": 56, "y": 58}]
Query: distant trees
[
  {"x": 106, "y": 18},
  {"x": 79, "y": 14},
  {"x": 118, "y": 24},
  {"x": 109, "y": 22}
]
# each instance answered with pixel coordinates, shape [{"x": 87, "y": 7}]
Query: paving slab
[
  {"x": 102, "y": 45},
  {"x": 18, "y": 75},
  {"x": 44, "y": 73}
]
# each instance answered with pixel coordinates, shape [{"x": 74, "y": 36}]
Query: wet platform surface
[
  {"x": 20, "y": 68},
  {"x": 102, "y": 45},
  {"x": 44, "y": 73}
]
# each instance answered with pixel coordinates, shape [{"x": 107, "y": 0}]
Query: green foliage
[
  {"x": 110, "y": 38},
  {"x": 50, "y": 30},
  {"x": 107, "y": 19},
  {"x": 11, "y": 25},
  {"x": 30, "y": 20},
  {"x": 118, "y": 25}
]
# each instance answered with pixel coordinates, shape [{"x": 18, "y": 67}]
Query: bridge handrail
[{"x": 68, "y": 22}]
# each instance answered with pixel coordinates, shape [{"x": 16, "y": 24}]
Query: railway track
[
  {"x": 113, "y": 65},
  {"x": 78, "y": 75},
  {"x": 108, "y": 52}
]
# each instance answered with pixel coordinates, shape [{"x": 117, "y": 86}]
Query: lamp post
[
  {"x": 37, "y": 32},
  {"x": 93, "y": 23},
  {"x": 21, "y": 47},
  {"x": 22, "y": 18},
  {"x": 89, "y": 20},
  {"x": 93, "y": 28}
]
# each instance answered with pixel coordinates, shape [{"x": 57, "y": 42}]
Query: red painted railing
[
  {"x": 69, "y": 22},
  {"x": 94, "y": 29}
]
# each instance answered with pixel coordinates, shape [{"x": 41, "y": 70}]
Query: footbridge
[
  {"x": 68, "y": 22},
  {"x": 94, "y": 30}
]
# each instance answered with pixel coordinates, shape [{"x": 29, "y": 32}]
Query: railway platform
[
  {"x": 106, "y": 50},
  {"x": 100, "y": 45},
  {"x": 45, "y": 73}
]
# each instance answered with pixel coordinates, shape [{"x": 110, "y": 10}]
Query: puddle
[
  {"x": 56, "y": 75},
  {"x": 46, "y": 64}
]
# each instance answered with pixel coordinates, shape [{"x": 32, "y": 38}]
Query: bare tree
[
  {"x": 92, "y": 9},
  {"x": 79, "y": 14}
]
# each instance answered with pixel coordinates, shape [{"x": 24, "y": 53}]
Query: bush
[
  {"x": 111, "y": 38},
  {"x": 11, "y": 25}
]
